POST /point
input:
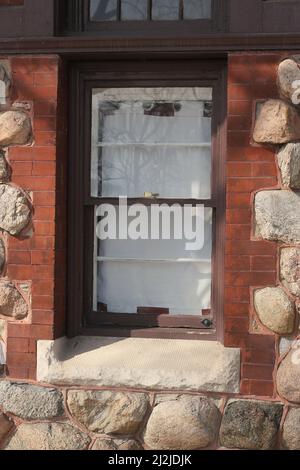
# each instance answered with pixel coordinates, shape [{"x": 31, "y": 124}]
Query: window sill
[{"x": 139, "y": 363}]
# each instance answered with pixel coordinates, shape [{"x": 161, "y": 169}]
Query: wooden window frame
[
  {"x": 84, "y": 78},
  {"x": 77, "y": 21}
]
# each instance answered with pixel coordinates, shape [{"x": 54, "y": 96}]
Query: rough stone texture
[
  {"x": 275, "y": 310},
  {"x": 290, "y": 269},
  {"x": 291, "y": 430},
  {"x": 4, "y": 168},
  {"x": 277, "y": 216},
  {"x": 184, "y": 423},
  {"x": 289, "y": 163},
  {"x": 277, "y": 123},
  {"x": 288, "y": 376},
  {"x": 14, "y": 209},
  {"x": 5, "y": 426},
  {"x": 3, "y": 324},
  {"x": 285, "y": 345},
  {"x": 48, "y": 436},
  {"x": 117, "y": 413},
  {"x": 30, "y": 402},
  {"x": 2, "y": 255},
  {"x": 116, "y": 444},
  {"x": 15, "y": 128},
  {"x": 288, "y": 72},
  {"x": 5, "y": 81},
  {"x": 250, "y": 424},
  {"x": 12, "y": 304},
  {"x": 150, "y": 363}
]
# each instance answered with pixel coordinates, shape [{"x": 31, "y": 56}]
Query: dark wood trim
[
  {"x": 84, "y": 77},
  {"x": 85, "y": 48}
]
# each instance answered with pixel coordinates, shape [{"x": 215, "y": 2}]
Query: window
[
  {"x": 159, "y": 146},
  {"x": 141, "y": 17}
]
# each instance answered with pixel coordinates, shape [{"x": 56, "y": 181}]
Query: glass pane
[
  {"x": 196, "y": 9},
  {"x": 155, "y": 274},
  {"x": 145, "y": 144},
  {"x": 134, "y": 9},
  {"x": 165, "y": 9},
  {"x": 103, "y": 10}
]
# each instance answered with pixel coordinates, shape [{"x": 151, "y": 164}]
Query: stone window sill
[{"x": 153, "y": 364}]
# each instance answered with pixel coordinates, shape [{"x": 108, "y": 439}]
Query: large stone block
[
  {"x": 277, "y": 122},
  {"x": 15, "y": 209},
  {"x": 275, "y": 310},
  {"x": 277, "y": 216},
  {"x": 48, "y": 436},
  {"x": 250, "y": 424},
  {"x": 12, "y": 303},
  {"x": 116, "y": 413},
  {"x": 290, "y": 269},
  {"x": 288, "y": 74},
  {"x": 291, "y": 430},
  {"x": 289, "y": 163},
  {"x": 5, "y": 426},
  {"x": 15, "y": 128},
  {"x": 288, "y": 376},
  {"x": 29, "y": 401},
  {"x": 184, "y": 423},
  {"x": 116, "y": 444}
]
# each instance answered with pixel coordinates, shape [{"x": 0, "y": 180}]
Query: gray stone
[
  {"x": 2, "y": 255},
  {"x": 48, "y": 436},
  {"x": 12, "y": 303},
  {"x": 14, "y": 209},
  {"x": 285, "y": 345},
  {"x": 186, "y": 423},
  {"x": 291, "y": 430},
  {"x": 288, "y": 73},
  {"x": 275, "y": 310},
  {"x": 277, "y": 216},
  {"x": 5, "y": 81},
  {"x": 15, "y": 128},
  {"x": 4, "y": 168},
  {"x": 250, "y": 424},
  {"x": 288, "y": 159},
  {"x": 277, "y": 122},
  {"x": 290, "y": 269},
  {"x": 107, "y": 412},
  {"x": 29, "y": 401},
  {"x": 288, "y": 375},
  {"x": 5, "y": 426},
  {"x": 116, "y": 444}
]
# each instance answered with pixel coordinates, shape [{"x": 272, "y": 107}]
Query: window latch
[
  {"x": 151, "y": 195},
  {"x": 207, "y": 323}
]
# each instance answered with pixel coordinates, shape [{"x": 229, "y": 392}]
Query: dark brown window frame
[
  {"x": 76, "y": 20},
  {"x": 85, "y": 77}
]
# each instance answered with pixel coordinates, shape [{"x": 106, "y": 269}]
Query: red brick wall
[{"x": 38, "y": 170}]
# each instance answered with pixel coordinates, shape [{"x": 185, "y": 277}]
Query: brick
[
  {"x": 43, "y": 302},
  {"x": 32, "y": 346},
  {"x": 263, "y": 263},
  {"x": 19, "y": 257},
  {"x": 19, "y": 330},
  {"x": 237, "y": 294},
  {"x": 45, "y": 108},
  {"x": 250, "y": 154},
  {"x": 14, "y": 359},
  {"x": 31, "y": 183},
  {"x": 18, "y": 372},
  {"x": 44, "y": 213},
  {"x": 237, "y": 263},
  {"x": 239, "y": 123},
  {"x": 249, "y": 184},
  {"x": 256, "y": 278},
  {"x": 238, "y": 232},
  {"x": 238, "y": 200},
  {"x": 237, "y": 309},
  {"x": 237, "y": 325},
  {"x": 257, "y": 371},
  {"x": 20, "y": 245},
  {"x": 43, "y": 169},
  {"x": 42, "y": 287},
  {"x": 239, "y": 75},
  {"x": 238, "y": 216},
  {"x": 240, "y": 91},
  {"x": 266, "y": 356},
  {"x": 32, "y": 154},
  {"x": 44, "y": 228},
  {"x": 240, "y": 107},
  {"x": 16, "y": 271},
  {"x": 43, "y": 243},
  {"x": 264, "y": 169},
  {"x": 45, "y": 138},
  {"x": 42, "y": 331},
  {"x": 233, "y": 340},
  {"x": 21, "y": 168},
  {"x": 239, "y": 169},
  {"x": 245, "y": 387},
  {"x": 19, "y": 345},
  {"x": 261, "y": 388},
  {"x": 43, "y": 198},
  {"x": 45, "y": 79},
  {"x": 238, "y": 138},
  {"x": 45, "y": 123},
  {"x": 43, "y": 317},
  {"x": 244, "y": 247}
]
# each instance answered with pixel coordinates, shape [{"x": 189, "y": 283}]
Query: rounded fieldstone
[
  {"x": 185, "y": 423},
  {"x": 288, "y": 376},
  {"x": 288, "y": 158},
  {"x": 275, "y": 310},
  {"x": 2, "y": 255},
  {"x": 291, "y": 430},
  {"x": 288, "y": 73},
  {"x": 116, "y": 444},
  {"x": 30, "y": 402},
  {"x": 290, "y": 269},
  {"x": 5, "y": 425},
  {"x": 48, "y": 436},
  {"x": 14, "y": 209},
  {"x": 277, "y": 122},
  {"x": 118, "y": 413},
  {"x": 12, "y": 304},
  {"x": 277, "y": 215},
  {"x": 4, "y": 168},
  {"x": 15, "y": 128},
  {"x": 250, "y": 425}
]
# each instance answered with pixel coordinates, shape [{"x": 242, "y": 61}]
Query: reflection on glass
[
  {"x": 134, "y": 9},
  {"x": 103, "y": 10},
  {"x": 196, "y": 9},
  {"x": 165, "y": 9}
]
